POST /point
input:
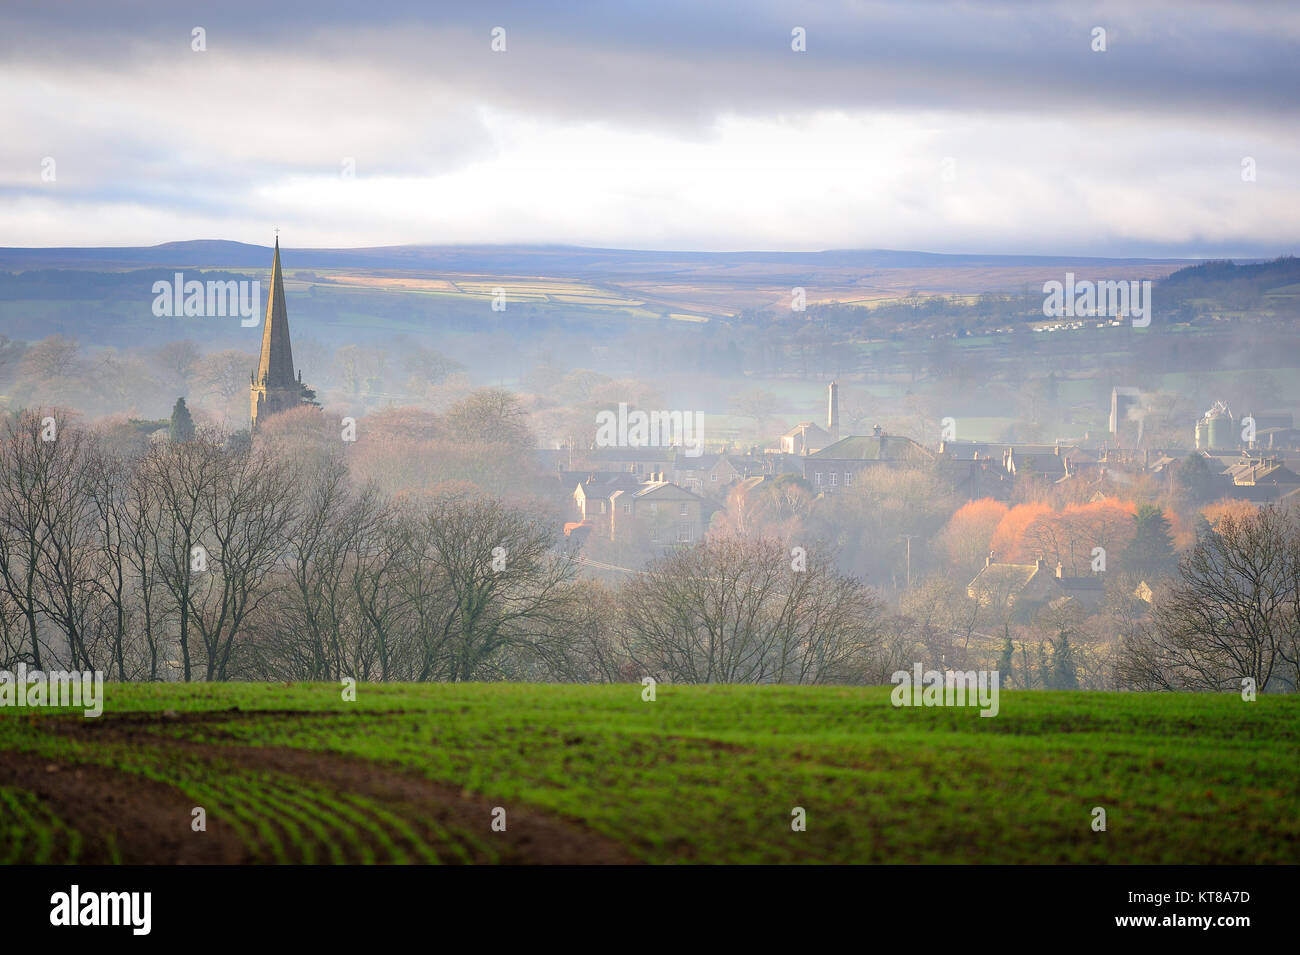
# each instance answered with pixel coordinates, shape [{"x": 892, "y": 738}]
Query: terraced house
[
  {"x": 835, "y": 467},
  {"x": 627, "y": 508},
  {"x": 1025, "y": 588},
  {"x": 710, "y": 474}
]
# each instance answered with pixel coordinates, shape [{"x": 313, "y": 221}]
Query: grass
[{"x": 712, "y": 774}]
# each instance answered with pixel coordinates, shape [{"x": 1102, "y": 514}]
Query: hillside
[{"x": 526, "y": 259}]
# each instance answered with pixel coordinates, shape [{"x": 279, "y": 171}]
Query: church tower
[{"x": 273, "y": 387}]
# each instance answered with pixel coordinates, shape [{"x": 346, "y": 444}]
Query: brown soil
[
  {"x": 150, "y": 822},
  {"x": 147, "y": 821}
]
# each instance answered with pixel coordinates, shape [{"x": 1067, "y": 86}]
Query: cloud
[{"x": 673, "y": 126}]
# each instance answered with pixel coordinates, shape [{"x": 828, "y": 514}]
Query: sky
[{"x": 960, "y": 127}]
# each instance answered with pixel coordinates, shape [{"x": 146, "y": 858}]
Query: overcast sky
[{"x": 966, "y": 127}]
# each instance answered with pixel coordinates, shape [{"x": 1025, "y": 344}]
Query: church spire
[
  {"x": 274, "y": 387},
  {"x": 275, "y": 368}
]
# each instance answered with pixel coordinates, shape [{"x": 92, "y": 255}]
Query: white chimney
[{"x": 833, "y": 411}]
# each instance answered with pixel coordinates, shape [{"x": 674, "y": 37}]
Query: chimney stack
[{"x": 833, "y": 411}]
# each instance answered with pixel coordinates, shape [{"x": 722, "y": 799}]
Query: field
[{"x": 412, "y": 774}]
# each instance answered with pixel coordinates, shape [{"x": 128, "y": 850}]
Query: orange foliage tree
[
  {"x": 1227, "y": 507},
  {"x": 1068, "y": 536},
  {"x": 1008, "y": 541},
  {"x": 968, "y": 535}
]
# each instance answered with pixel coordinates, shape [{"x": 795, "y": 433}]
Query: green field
[{"x": 292, "y": 773}]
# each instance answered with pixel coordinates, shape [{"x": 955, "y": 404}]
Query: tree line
[{"x": 212, "y": 557}]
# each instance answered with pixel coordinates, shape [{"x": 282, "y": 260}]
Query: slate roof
[{"x": 872, "y": 447}]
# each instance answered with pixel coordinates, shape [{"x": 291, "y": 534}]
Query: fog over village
[{"x": 963, "y": 479}]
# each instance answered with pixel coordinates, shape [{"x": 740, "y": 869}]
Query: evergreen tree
[
  {"x": 1006, "y": 665},
  {"x": 181, "y": 428},
  {"x": 1193, "y": 481},
  {"x": 1203, "y": 527},
  {"x": 1044, "y": 666},
  {"x": 307, "y": 396},
  {"x": 1064, "y": 675},
  {"x": 1152, "y": 551}
]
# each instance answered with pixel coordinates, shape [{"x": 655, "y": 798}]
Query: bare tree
[
  {"x": 246, "y": 510},
  {"x": 734, "y": 610},
  {"x": 378, "y": 552},
  {"x": 69, "y": 562},
  {"x": 29, "y": 470},
  {"x": 338, "y": 608},
  {"x": 499, "y": 584},
  {"x": 144, "y": 517},
  {"x": 1233, "y": 613},
  {"x": 755, "y": 403},
  {"x": 224, "y": 374},
  {"x": 181, "y": 479}
]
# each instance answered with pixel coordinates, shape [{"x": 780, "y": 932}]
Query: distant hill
[
  {"x": 1242, "y": 285},
  {"x": 521, "y": 259},
  {"x": 1280, "y": 271}
]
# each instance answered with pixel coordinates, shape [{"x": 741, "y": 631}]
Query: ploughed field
[{"x": 292, "y": 773}]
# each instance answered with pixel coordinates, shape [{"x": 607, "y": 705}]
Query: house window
[
  {"x": 835, "y": 478},
  {"x": 654, "y": 507},
  {"x": 602, "y": 507},
  {"x": 684, "y": 532},
  {"x": 627, "y": 507},
  {"x": 848, "y": 479},
  {"x": 684, "y": 510},
  {"x": 713, "y": 475},
  {"x": 819, "y": 478}
]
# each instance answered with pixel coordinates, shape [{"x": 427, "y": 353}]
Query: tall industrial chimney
[{"x": 833, "y": 412}]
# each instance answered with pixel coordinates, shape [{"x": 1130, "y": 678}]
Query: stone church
[{"x": 273, "y": 387}]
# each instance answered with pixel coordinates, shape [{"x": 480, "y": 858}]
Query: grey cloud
[{"x": 683, "y": 62}]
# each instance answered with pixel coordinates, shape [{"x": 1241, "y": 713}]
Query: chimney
[
  {"x": 833, "y": 411},
  {"x": 988, "y": 561}
]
